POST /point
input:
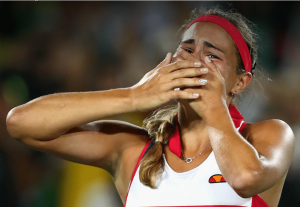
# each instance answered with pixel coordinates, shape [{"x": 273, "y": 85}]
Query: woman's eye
[
  {"x": 188, "y": 50},
  {"x": 213, "y": 56}
]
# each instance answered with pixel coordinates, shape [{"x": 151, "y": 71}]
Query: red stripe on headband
[{"x": 234, "y": 33}]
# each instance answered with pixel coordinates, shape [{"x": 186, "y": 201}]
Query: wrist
[
  {"x": 129, "y": 99},
  {"x": 216, "y": 113},
  {"x": 132, "y": 99},
  {"x": 119, "y": 100}
]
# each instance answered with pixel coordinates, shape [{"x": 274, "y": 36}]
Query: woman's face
[{"x": 208, "y": 39}]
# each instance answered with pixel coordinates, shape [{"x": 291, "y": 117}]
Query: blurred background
[{"x": 51, "y": 47}]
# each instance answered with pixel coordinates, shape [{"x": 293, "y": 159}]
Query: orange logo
[{"x": 217, "y": 179}]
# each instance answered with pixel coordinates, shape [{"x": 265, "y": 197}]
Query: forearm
[
  {"x": 238, "y": 160},
  {"x": 50, "y": 116}
]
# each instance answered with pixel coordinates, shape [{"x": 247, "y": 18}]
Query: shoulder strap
[
  {"x": 243, "y": 124},
  {"x": 145, "y": 149},
  {"x": 257, "y": 201}
]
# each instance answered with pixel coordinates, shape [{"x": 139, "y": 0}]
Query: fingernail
[
  {"x": 195, "y": 94},
  {"x": 203, "y": 81},
  {"x": 207, "y": 59},
  {"x": 203, "y": 70},
  {"x": 167, "y": 55},
  {"x": 197, "y": 63},
  {"x": 179, "y": 50}
]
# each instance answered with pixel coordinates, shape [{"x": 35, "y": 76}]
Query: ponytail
[{"x": 160, "y": 126}]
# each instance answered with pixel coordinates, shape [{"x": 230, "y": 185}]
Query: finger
[
  {"x": 176, "y": 58},
  {"x": 186, "y": 73},
  {"x": 185, "y": 82},
  {"x": 212, "y": 66},
  {"x": 181, "y": 53},
  {"x": 172, "y": 95},
  {"x": 181, "y": 65},
  {"x": 166, "y": 61}
]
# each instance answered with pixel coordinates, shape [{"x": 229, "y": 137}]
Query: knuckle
[
  {"x": 174, "y": 95},
  {"x": 182, "y": 72},
  {"x": 190, "y": 63},
  {"x": 177, "y": 94},
  {"x": 157, "y": 71},
  {"x": 180, "y": 81},
  {"x": 161, "y": 69},
  {"x": 177, "y": 64},
  {"x": 160, "y": 78}
]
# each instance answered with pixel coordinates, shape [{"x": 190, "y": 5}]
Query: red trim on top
[
  {"x": 234, "y": 33},
  {"x": 242, "y": 126},
  {"x": 236, "y": 116},
  {"x": 135, "y": 169},
  {"x": 175, "y": 141},
  {"x": 257, "y": 201}
]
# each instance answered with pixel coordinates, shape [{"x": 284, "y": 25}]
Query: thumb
[{"x": 166, "y": 61}]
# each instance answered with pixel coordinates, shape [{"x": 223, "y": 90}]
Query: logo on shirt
[{"x": 218, "y": 178}]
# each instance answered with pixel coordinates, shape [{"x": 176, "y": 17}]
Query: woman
[{"x": 202, "y": 152}]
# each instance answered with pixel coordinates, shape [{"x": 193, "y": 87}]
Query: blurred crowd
[{"x": 52, "y": 47}]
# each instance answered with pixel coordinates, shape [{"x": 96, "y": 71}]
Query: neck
[{"x": 193, "y": 132}]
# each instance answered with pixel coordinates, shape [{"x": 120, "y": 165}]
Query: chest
[
  {"x": 203, "y": 185},
  {"x": 179, "y": 165}
]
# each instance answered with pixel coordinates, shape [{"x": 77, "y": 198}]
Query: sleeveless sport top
[{"x": 202, "y": 186}]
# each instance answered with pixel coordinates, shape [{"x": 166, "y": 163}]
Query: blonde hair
[{"x": 160, "y": 126}]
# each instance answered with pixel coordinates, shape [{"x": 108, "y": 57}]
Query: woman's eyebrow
[
  {"x": 208, "y": 44},
  {"x": 188, "y": 41}
]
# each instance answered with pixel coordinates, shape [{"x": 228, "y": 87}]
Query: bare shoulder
[
  {"x": 274, "y": 141},
  {"x": 269, "y": 131}
]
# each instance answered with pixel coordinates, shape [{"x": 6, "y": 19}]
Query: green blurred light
[{"x": 15, "y": 91}]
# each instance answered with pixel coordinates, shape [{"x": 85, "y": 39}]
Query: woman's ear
[{"x": 243, "y": 81}]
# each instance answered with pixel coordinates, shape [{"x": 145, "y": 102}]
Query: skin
[{"x": 254, "y": 162}]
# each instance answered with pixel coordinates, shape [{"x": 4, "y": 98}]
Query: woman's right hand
[{"x": 157, "y": 86}]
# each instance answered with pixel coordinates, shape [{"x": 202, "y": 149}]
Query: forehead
[{"x": 210, "y": 32}]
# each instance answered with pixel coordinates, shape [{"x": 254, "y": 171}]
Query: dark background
[{"x": 50, "y": 47}]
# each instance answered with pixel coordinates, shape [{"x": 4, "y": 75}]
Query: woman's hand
[
  {"x": 157, "y": 86},
  {"x": 211, "y": 95}
]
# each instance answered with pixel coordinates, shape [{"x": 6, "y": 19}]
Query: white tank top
[{"x": 201, "y": 186}]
